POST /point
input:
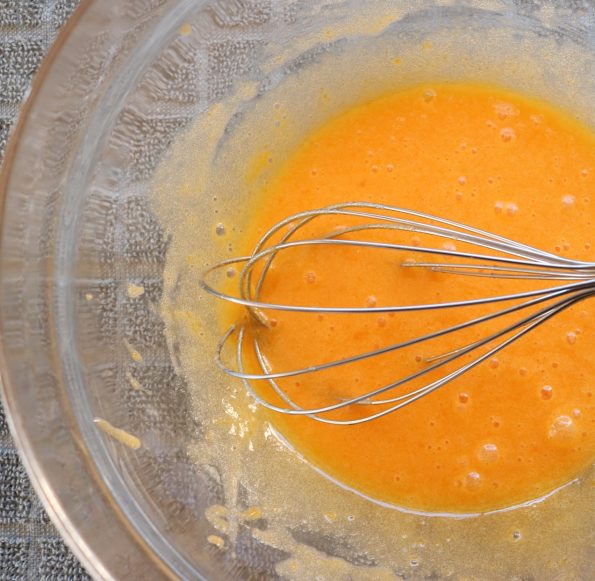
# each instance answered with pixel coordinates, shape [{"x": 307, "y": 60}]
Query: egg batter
[{"x": 521, "y": 424}]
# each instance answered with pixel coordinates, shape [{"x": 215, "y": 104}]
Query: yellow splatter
[
  {"x": 135, "y": 290},
  {"x": 118, "y": 434},
  {"x": 252, "y": 513},
  {"x": 134, "y": 354},
  {"x": 134, "y": 383},
  {"x": 216, "y": 514},
  {"x": 330, "y": 516},
  {"x": 216, "y": 540}
]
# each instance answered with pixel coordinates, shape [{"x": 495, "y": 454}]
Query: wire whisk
[{"x": 486, "y": 255}]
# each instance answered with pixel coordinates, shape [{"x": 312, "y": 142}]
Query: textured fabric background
[{"x": 30, "y": 547}]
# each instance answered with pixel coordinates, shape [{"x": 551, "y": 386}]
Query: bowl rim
[{"x": 59, "y": 504}]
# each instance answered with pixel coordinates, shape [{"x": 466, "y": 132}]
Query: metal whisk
[{"x": 486, "y": 255}]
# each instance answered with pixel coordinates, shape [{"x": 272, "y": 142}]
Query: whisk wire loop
[{"x": 511, "y": 259}]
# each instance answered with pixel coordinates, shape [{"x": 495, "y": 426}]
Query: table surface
[{"x": 30, "y": 547}]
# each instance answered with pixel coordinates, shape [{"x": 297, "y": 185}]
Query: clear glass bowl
[{"x": 123, "y": 80}]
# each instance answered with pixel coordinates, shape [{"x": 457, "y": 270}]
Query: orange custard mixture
[{"x": 520, "y": 424}]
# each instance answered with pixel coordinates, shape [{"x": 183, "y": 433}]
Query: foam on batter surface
[{"x": 512, "y": 429}]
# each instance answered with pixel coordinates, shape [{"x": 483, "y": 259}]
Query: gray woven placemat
[{"x": 30, "y": 547}]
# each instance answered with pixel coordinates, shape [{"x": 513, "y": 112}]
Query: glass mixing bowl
[{"x": 84, "y": 356}]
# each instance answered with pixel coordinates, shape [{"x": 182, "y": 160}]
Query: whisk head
[{"x": 551, "y": 284}]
